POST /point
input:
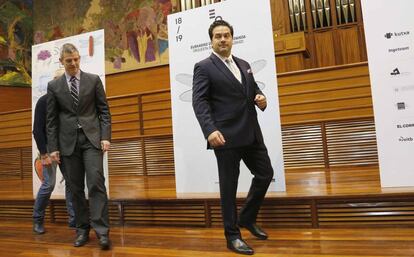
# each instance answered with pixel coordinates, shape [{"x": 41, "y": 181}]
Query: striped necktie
[{"x": 74, "y": 92}]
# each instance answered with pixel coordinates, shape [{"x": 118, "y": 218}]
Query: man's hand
[
  {"x": 216, "y": 139},
  {"x": 55, "y": 156},
  {"x": 105, "y": 144},
  {"x": 46, "y": 160},
  {"x": 260, "y": 101}
]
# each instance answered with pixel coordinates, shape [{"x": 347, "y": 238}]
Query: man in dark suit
[
  {"x": 224, "y": 98},
  {"x": 79, "y": 131},
  {"x": 48, "y": 171}
]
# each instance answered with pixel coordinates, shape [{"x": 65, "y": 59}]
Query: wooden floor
[
  {"x": 16, "y": 239},
  {"x": 299, "y": 183}
]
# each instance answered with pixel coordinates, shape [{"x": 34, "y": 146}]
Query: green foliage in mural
[{"x": 16, "y": 39}]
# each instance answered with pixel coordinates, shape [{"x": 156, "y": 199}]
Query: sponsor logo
[
  {"x": 398, "y": 49},
  {"x": 389, "y": 35},
  {"x": 212, "y": 15},
  {"x": 401, "y": 106},
  {"x": 405, "y": 139},
  {"x": 404, "y": 88},
  {"x": 395, "y": 72},
  {"x": 405, "y": 125}
]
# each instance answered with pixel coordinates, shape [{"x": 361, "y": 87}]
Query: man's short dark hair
[{"x": 217, "y": 23}]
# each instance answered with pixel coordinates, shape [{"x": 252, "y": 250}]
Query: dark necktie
[{"x": 74, "y": 92}]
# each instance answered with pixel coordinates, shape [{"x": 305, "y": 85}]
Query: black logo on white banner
[
  {"x": 398, "y": 49},
  {"x": 395, "y": 72},
  {"x": 404, "y": 88},
  {"x": 406, "y": 125},
  {"x": 212, "y": 15},
  {"x": 389, "y": 35},
  {"x": 401, "y": 106},
  {"x": 405, "y": 139}
]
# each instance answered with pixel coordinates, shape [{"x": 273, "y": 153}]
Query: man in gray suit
[{"x": 79, "y": 131}]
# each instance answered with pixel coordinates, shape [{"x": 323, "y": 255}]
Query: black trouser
[
  {"x": 257, "y": 160},
  {"x": 87, "y": 160}
]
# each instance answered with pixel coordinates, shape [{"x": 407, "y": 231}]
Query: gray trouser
[{"x": 86, "y": 160}]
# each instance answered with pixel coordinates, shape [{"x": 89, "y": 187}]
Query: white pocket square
[{"x": 249, "y": 71}]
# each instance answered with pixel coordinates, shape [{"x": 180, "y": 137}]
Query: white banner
[
  {"x": 45, "y": 64},
  {"x": 389, "y": 28},
  {"x": 195, "y": 166}
]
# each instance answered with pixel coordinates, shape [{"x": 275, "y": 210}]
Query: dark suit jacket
[
  {"x": 92, "y": 113},
  {"x": 39, "y": 124},
  {"x": 222, "y": 103}
]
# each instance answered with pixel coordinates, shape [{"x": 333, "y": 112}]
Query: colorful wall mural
[
  {"x": 16, "y": 39},
  {"x": 135, "y": 30}
]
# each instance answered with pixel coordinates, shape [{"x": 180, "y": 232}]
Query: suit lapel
[
  {"x": 65, "y": 92},
  {"x": 223, "y": 68},
  {"x": 82, "y": 84},
  {"x": 64, "y": 84}
]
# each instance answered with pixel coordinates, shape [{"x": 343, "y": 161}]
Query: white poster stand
[
  {"x": 195, "y": 166},
  {"x": 45, "y": 62},
  {"x": 389, "y": 28}
]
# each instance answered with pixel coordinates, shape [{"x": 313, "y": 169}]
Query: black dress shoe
[
  {"x": 104, "y": 242},
  {"x": 38, "y": 228},
  {"x": 239, "y": 246},
  {"x": 255, "y": 230},
  {"x": 81, "y": 240}
]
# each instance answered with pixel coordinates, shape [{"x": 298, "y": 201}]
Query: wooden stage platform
[
  {"x": 16, "y": 239},
  {"x": 316, "y": 198}
]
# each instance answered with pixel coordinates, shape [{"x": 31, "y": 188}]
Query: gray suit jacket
[{"x": 92, "y": 113}]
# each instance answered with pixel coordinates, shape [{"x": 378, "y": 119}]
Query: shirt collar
[
  {"x": 77, "y": 76},
  {"x": 223, "y": 59}
]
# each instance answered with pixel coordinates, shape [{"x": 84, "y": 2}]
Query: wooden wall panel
[
  {"x": 366, "y": 213},
  {"x": 15, "y": 129},
  {"x": 138, "y": 81},
  {"x": 349, "y": 45},
  {"x": 351, "y": 143},
  {"x": 324, "y": 49},
  {"x": 165, "y": 214},
  {"x": 280, "y": 21},
  {"x": 325, "y": 94},
  {"x": 273, "y": 214},
  {"x": 303, "y": 146},
  {"x": 290, "y": 62},
  {"x": 15, "y": 98}
]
